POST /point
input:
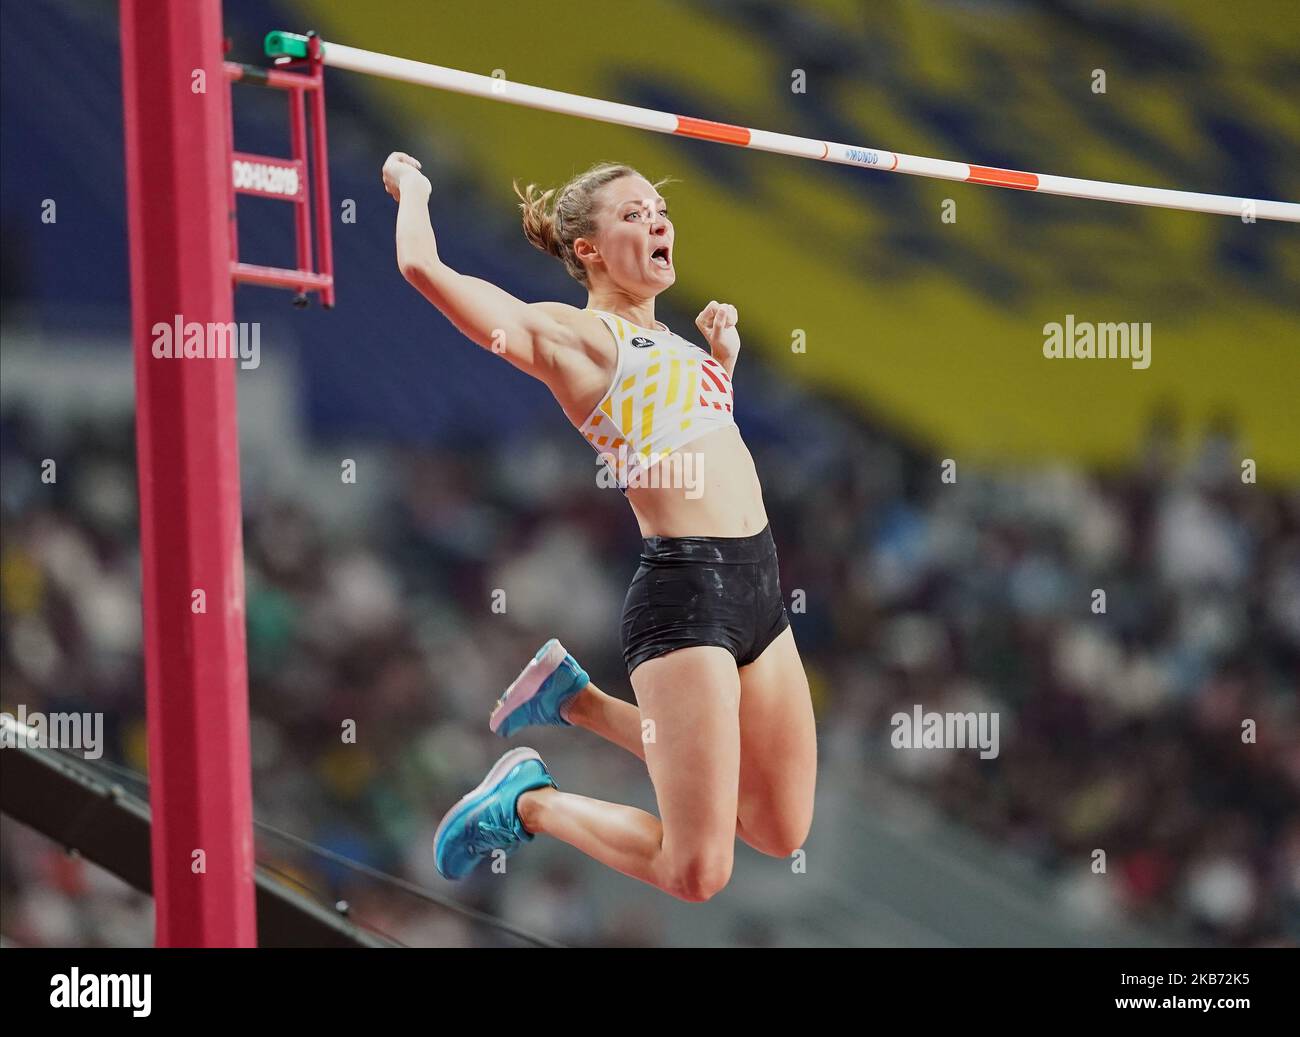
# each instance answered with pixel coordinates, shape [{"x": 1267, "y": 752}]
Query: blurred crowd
[
  {"x": 1163, "y": 731},
  {"x": 1159, "y": 724}
]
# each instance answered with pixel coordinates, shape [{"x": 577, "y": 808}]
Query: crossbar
[{"x": 287, "y": 46}]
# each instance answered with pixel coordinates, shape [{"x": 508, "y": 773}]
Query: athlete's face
[{"x": 633, "y": 246}]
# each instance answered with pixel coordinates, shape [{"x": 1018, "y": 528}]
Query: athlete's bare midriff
[{"x": 707, "y": 488}]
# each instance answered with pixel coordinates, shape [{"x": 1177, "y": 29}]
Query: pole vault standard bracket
[{"x": 288, "y": 180}]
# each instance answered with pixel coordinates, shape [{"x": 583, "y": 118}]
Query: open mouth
[{"x": 661, "y": 257}]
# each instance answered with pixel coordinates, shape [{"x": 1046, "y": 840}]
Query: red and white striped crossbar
[{"x": 285, "y": 45}]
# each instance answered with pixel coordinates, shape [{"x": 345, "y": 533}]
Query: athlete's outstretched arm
[{"x": 530, "y": 336}]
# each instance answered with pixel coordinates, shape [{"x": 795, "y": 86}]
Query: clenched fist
[
  {"x": 400, "y": 170},
  {"x": 717, "y": 323}
]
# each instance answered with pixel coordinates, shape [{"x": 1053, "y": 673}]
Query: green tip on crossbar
[{"x": 288, "y": 44}]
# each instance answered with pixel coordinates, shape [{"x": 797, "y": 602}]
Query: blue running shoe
[
  {"x": 540, "y": 693},
  {"x": 485, "y": 819}
]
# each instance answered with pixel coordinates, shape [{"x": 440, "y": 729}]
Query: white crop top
[{"x": 666, "y": 392}]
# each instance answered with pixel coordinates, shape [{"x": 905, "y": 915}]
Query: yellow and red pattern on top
[{"x": 666, "y": 393}]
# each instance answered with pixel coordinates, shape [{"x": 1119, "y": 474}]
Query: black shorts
[{"x": 723, "y": 591}]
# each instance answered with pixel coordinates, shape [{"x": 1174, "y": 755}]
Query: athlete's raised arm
[{"x": 531, "y": 336}]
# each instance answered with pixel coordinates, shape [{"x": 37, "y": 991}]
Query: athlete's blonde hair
[{"x": 573, "y": 216}]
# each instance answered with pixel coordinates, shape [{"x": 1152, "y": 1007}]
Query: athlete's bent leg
[
  {"x": 619, "y": 722},
  {"x": 613, "y": 719},
  {"x": 778, "y": 750},
  {"x": 692, "y": 751}
]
